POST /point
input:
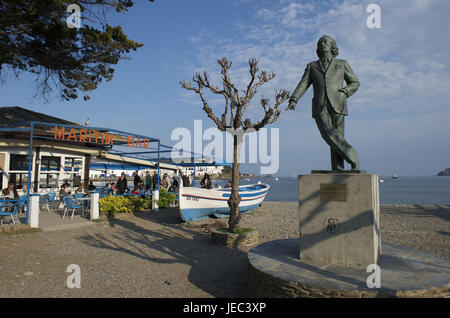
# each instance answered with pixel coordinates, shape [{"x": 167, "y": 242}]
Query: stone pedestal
[
  {"x": 274, "y": 270},
  {"x": 339, "y": 219}
]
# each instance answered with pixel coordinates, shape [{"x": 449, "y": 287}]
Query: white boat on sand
[{"x": 198, "y": 203}]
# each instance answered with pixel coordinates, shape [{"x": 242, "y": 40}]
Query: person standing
[
  {"x": 206, "y": 182},
  {"x": 329, "y": 104},
  {"x": 155, "y": 180},
  {"x": 122, "y": 184},
  {"x": 166, "y": 182},
  {"x": 137, "y": 180},
  {"x": 174, "y": 183},
  {"x": 148, "y": 181},
  {"x": 185, "y": 180}
]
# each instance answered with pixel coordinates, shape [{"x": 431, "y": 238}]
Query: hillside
[{"x": 445, "y": 172}]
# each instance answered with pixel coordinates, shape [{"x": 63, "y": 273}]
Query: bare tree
[{"x": 236, "y": 103}]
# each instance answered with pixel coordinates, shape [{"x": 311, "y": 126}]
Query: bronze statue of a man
[{"x": 329, "y": 104}]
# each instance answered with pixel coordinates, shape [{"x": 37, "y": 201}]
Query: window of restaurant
[
  {"x": 18, "y": 170},
  {"x": 19, "y": 179},
  {"x": 18, "y": 162},
  {"x": 48, "y": 180},
  {"x": 49, "y": 171},
  {"x": 72, "y": 169},
  {"x": 50, "y": 163}
]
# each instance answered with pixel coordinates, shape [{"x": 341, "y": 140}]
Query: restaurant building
[
  {"x": 52, "y": 163},
  {"x": 43, "y": 152}
]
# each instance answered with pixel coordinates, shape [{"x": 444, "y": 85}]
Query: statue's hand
[
  {"x": 291, "y": 106},
  {"x": 344, "y": 91}
]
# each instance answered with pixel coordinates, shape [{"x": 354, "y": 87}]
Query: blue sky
[{"x": 399, "y": 119}]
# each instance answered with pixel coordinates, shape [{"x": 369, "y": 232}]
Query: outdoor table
[{"x": 84, "y": 201}]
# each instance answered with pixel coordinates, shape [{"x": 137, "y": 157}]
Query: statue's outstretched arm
[{"x": 301, "y": 88}]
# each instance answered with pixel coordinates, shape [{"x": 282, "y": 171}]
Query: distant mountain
[{"x": 445, "y": 172}]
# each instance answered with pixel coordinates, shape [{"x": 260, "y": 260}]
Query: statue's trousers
[{"x": 331, "y": 127}]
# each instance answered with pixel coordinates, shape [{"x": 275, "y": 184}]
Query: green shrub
[
  {"x": 111, "y": 205},
  {"x": 141, "y": 204},
  {"x": 165, "y": 198}
]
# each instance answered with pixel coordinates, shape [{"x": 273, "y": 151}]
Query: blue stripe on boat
[
  {"x": 196, "y": 214},
  {"x": 243, "y": 195}
]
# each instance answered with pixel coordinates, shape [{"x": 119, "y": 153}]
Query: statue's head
[{"x": 326, "y": 42}]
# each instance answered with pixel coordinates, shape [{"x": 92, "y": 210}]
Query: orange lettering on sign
[
  {"x": 146, "y": 142},
  {"x": 110, "y": 139},
  {"x": 59, "y": 134},
  {"x": 72, "y": 135},
  {"x": 138, "y": 142},
  {"x": 96, "y": 136},
  {"x": 83, "y": 137}
]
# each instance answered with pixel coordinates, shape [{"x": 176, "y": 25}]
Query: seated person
[
  {"x": 91, "y": 187},
  {"x": 62, "y": 190},
  {"x": 108, "y": 190},
  {"x": 81, "y": 189},
  {"x": 113, "y": 187},
  {"x": 217, "y": 186},
  {"x": 10, "y": 192},
  {"x": 67, "y": 189},
  {"x": 23, "y": 191},
  {"x": 229, "y": 185}
]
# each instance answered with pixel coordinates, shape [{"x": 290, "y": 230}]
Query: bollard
[
  {"x": 34, "y": 211},
  {"x": 94, "y": 206},
  {"x": 155, "y": 198}
]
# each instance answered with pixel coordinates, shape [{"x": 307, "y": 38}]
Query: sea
[{"x": 431, "y": 190}]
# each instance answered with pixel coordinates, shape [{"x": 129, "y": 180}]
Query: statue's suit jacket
[{"x": 327, "y": 83}]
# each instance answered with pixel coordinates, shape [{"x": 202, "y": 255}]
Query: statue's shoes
[{"x": 355, "y": 165}]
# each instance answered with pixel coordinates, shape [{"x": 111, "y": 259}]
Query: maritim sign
[{"x": 94, "y": 136}]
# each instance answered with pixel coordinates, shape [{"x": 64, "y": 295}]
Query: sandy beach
[{"x": 153, "y": 254}]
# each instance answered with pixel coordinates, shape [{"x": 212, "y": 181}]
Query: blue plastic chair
[
  {"x": 51, "y": 199},
  {"x": 79, "y": 195},
  {"x": 13, "y": 214},
  {"x": 44, "y": 203},
  {"x": 71, "y": 205},
  {"x": 20, "y": 205}
]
